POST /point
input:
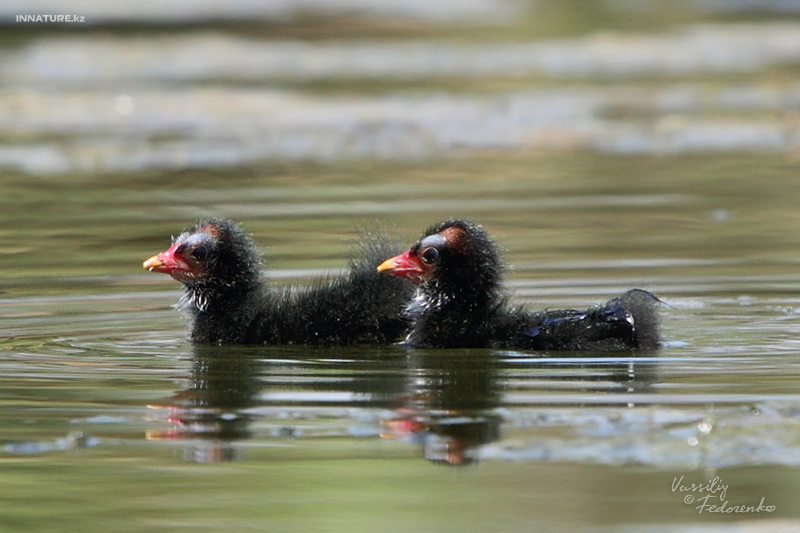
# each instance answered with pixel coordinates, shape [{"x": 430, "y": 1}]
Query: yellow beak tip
[
  {"x": 151, "y": 263},
  {"x": 389, "y": 264}
]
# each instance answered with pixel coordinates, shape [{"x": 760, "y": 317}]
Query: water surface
[{"x": 635, "y": 165}]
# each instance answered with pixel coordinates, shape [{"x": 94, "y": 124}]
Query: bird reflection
[
  {"x": 453, "y": 398},
  {"x": 451, "y": 403},
  {"x": 448, "y": 407},
  {"x": 212, "y": 410},
  {"x": 216, "y": 409}
]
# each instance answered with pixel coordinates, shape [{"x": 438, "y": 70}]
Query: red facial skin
[
  {"x": 172, "y": 262},
  {"x": 413, "y": 265},
  {"x": 178, "y": 260},
  {"x": 406, "y": 265}
]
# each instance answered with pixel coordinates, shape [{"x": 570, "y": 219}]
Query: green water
[{"x": 657, "y": 178}]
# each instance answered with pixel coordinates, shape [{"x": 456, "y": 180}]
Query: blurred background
[
  {"x": 606, "y": 144},
  {"x": 574, "y": 130}
]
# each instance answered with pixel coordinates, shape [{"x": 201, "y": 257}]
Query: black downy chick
[
  {"x": 460, "y": 302},
  {"x": 230, "y": 303}
]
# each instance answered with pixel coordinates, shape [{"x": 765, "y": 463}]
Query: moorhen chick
[
  {"x": 230, "y": 302},
  {"x": 460, "y": 302}
]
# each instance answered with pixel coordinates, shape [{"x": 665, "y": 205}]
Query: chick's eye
[
  {"x": 200, "y": 253},
  {"x": 429, "y": 255}
]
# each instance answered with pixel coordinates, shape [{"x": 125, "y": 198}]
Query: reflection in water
[
  {"x": 615, "y": 375},
  {"x": 455, "y": 400},
  {"x": 229, "y": 384},
  {"x": 212, "y": 409},
  {"x": 448, "y": 405},
  {"x": 437, "y": 398},
  {"x": 463, "y": 406}
]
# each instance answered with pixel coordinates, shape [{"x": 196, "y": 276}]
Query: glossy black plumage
[
  {"x": 230, "y": 302},
  {"x": 461, "y": 303}
]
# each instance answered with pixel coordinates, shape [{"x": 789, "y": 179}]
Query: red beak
[
  {"x": 405, "y": 265},
  {"x": 166, "y": 262}
]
